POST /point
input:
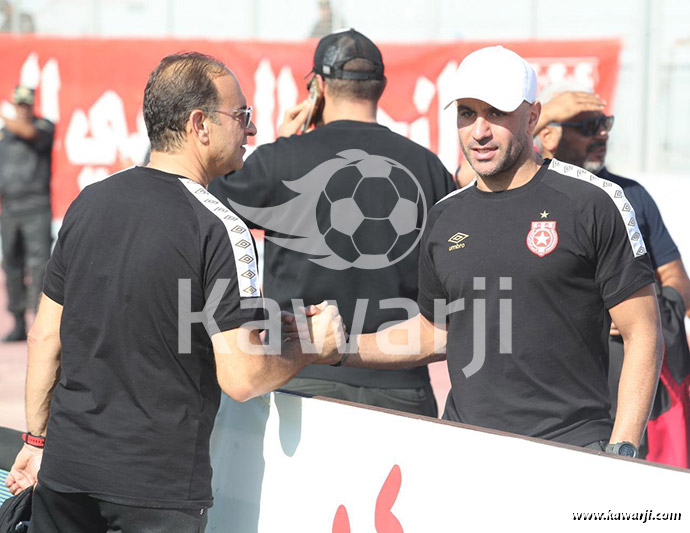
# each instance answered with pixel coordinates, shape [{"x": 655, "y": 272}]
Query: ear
[
  {"x": 549, "y": 137},
  {"x": 320, "y": 82},
  {"x": 198, "y": 125},
  {"x": 533, "y": 117}
]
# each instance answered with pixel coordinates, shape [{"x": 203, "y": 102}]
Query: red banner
[{"x": 93, "y": 90}]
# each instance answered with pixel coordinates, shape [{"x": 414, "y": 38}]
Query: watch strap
[
  {"x": 623, "y": 448},
  {"x": 34, "y": 440}
]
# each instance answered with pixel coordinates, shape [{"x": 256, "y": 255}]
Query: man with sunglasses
[
  {"x": 144, "y": 319},
  {"x": 574, "y": 129}
]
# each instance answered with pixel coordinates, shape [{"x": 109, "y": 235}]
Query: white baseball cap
[{"x": 497, "y": 76}]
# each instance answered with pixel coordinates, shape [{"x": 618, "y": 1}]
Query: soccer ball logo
[
  {"x": 355, "y": 210},
  {"x": 371, "y": 212}
]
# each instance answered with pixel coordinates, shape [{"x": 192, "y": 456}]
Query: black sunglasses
[{"x": 590, "y": 126}]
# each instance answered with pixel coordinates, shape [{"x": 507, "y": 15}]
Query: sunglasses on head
[{"x": 590, "y": 126}]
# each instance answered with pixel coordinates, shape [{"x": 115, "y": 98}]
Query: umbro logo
[{"x": 457, "y": 241}]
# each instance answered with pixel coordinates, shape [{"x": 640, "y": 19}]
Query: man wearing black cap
[
  {"x": 26, "y": 144},
  {"x": 347, "y": 159}
]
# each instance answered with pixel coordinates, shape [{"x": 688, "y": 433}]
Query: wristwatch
[{"x": 626, "y": 449}]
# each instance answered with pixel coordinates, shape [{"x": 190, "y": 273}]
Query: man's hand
[
  {"x": 567, "y": 105},
  {"x": 24, "y": 472},
  {"x": 291, "y": 328},
  {"x": 326, "y": 332},
  {"x": 294, "y": 119}
]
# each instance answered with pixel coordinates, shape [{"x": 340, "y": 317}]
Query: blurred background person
[
  {"x": 574, "y": 129},
  {"x": 26, "y": 144}
]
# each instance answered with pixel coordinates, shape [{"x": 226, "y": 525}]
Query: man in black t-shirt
[
  {"x": 517, "y": 272},
  {"x": 337, "y": 203},
  {"x": 148, "y": 299}
]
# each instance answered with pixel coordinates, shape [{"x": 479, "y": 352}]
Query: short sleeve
[
  {"x": 660, "y": 245},
  {"x": 622, "y": 262},
  {"x": 430, "y": 287},
  {"x": 230, "y": 281},
  {"x": 56, "y": 269},
  {"x": 54, "y": 278}
]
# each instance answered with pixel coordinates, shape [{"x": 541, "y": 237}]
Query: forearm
[
  {"x": 643, "y": 353},
  {"x": 414, "y": 342},
  {"x": 22, "y": 128},
  {"x": 265, "y": 373},
  {"x": 42, "y": 374},
  {"x": 673, "y": 274},
  {"x": 247, "y": 369}
]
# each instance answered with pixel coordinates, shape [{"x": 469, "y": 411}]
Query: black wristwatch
[{"x": 626, "y": 449}]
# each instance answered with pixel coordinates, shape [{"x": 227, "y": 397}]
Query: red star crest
[{"x": 542, "y": 238}]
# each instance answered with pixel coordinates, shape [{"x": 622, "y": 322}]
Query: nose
[
  {"x": 481, "y": 129},
  {"x": 251, "y": 129}
]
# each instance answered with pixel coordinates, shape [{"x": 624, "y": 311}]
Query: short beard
[{"x": 593, "y": 166}]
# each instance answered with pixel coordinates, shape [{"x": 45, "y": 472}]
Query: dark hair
[
  {"x": 180, "y": 84},
  {"x": 357, "y": 89}
]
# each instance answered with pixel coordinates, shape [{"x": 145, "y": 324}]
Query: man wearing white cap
[{"x": 528, "y": 261}]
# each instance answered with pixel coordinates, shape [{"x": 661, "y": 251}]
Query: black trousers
[
  {"x": 419, "y": 401},
  {"x": 26, "y": 241},
  {"x": 59, "y": 512}
]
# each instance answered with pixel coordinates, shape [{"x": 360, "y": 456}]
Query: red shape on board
[
  {"x": 385, "y": 521},
  {"x": 341, "y": 522}
]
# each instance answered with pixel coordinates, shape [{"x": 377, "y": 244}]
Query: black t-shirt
[
  {"x": 134, "y": 406},
  {"x": 25, "y": 169},
  {"x": 542, "y": 262},
  {"x": 660, "y": 245},
  {"x": 314, "y": 171}
]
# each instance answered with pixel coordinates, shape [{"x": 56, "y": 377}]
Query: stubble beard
[{"x": 509, "y": 160}]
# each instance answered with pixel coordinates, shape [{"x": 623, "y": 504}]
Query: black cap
[
  {"x": 23, "y": 95},
  {"x": 336, "y": 49}
]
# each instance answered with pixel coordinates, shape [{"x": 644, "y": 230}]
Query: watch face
[{"x": 627, "y": 450}]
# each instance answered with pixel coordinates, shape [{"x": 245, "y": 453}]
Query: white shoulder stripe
[
  {"x": 240, "y": 239},
  {"x": 453, "y": 193},
  {"x": 625, "y": 209}
]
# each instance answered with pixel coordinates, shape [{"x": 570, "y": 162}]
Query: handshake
[{"x": 320, "y": 332}]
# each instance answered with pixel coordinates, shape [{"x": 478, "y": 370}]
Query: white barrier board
[{"x": 285, "y": 464}]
